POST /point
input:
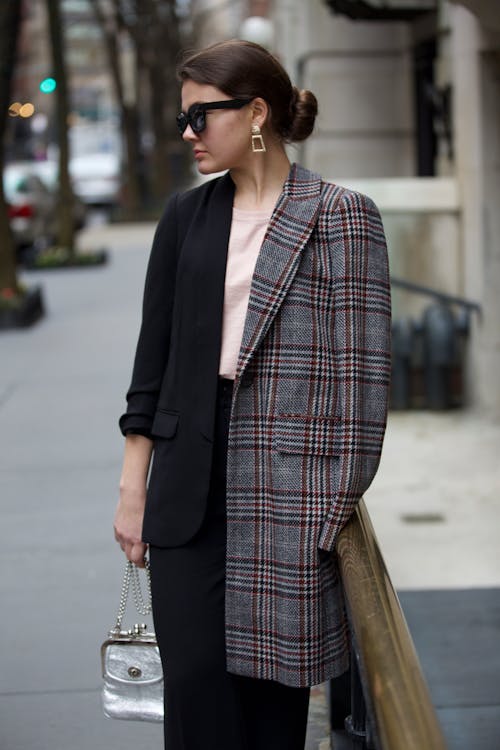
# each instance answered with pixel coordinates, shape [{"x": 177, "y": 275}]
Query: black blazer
[{"x": 177, "y": 358}]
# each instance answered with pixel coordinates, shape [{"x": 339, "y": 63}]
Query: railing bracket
[{"x": 357, "y": 734}]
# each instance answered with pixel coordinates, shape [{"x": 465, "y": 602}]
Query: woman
[{"x": 260, "y": 381}]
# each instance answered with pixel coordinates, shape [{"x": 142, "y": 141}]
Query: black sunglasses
[{"x": 196, "y": 114}]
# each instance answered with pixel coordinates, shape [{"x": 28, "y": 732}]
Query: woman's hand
[
  {"x": 128, "y": 524},
  {"x": 130, "y": 511}
]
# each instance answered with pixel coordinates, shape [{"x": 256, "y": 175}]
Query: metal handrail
[
  {"x": 399, "y": 707},
  {"x": 411, "y": 286}
]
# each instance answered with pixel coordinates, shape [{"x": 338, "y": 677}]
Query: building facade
[{"x": 410, "y": 114}]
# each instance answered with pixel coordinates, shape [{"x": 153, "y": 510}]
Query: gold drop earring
[{"x": 258, "y": 145}]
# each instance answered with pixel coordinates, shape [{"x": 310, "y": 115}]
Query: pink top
[{"x": 247, "y": 234}]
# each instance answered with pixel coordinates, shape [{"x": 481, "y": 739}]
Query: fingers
[
  {"x": 135, "y": 550},
  {"x": 137, "y": 554}
]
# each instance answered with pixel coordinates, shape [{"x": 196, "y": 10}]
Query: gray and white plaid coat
[{"x": 306, "y": 432}]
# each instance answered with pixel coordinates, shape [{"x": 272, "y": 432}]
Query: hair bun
[{"x": 303, "y": 111}]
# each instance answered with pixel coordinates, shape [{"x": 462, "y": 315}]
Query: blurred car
[
  {"x": 30, "y": 190},
  {"x": 97, "y": 178}
]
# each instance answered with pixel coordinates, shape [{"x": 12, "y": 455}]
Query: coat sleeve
[
  {"x": 362, "y": 318},
  {"x": 154, "y": 338}
]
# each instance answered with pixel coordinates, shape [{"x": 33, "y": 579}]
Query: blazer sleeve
[
  {"x": 362, "y": 330},
  {"x": 154, "y": 338}
]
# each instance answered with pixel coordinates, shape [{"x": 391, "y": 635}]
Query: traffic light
[{"x": 48, "y": 85}]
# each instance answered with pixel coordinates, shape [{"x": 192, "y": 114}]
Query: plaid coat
[{"x": 306, "y": 430}]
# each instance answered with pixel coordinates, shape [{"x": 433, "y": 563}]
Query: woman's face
[{"x": 225, "y": 143}]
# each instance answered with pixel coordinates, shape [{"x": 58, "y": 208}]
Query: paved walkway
[{"x": 435, "y": 506}]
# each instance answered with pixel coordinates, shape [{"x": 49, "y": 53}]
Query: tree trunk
[
  {"x": 160, "y": 59},
  {"x": 153, "y": 27},
  {"x": 134, "y": 190},
  {"x": 10, "y": 17},
  {"x": 155, "y": 31},
  {"x": 133, "y": 176},
  {"x": 66, "y": 223},
  {"x": 170, "y": 157},
  {"x": 161, "y": 177}
]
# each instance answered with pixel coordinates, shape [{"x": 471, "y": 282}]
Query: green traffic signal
[{"x": 48, "y": 85}]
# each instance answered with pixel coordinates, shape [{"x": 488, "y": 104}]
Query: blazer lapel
[{"x": 291, "y": 225}]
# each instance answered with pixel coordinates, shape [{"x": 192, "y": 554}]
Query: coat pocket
[
  {"x": 306, "y": 434},
  {"x": 165, "y": 424}
]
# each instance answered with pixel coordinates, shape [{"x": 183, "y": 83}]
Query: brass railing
[{"x": 399, "y": 711}]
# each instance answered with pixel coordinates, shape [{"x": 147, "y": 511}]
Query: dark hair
[{"x": 244, "y": 70}]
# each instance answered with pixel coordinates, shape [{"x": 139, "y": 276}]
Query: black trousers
[{"x": 206, "y": 707}]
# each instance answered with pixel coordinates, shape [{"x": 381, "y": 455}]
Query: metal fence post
[{"x": 355, "y": 723}]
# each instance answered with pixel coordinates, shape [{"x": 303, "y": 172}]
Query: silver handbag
[{"x": 131, "y": 665}]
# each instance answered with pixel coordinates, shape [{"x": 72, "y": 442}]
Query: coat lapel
[{"x": 290, "y": 227}]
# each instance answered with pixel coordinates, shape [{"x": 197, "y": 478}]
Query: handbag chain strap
[{"x": 131, "y": 578}]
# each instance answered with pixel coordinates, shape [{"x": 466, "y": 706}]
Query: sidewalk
[{"x": 435, "y": 504}]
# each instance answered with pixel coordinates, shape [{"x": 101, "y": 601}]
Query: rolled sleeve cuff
[
  {"x": 135, "y": 424},
  {"x": 139, "y": 415}
]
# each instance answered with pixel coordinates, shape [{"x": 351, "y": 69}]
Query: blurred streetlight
[
  {"x": 39, "y": 123},
  {"x": 17, "y": 109},
  {"x": 48, "y": 85},
  {"x": 26, "y": 110},
  {"x": 14, "y": 109}
]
